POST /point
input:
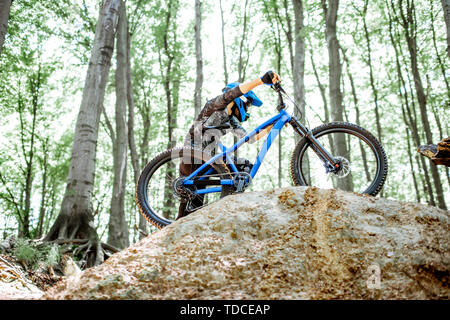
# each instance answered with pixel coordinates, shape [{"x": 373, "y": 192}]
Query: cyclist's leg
[
  {"x": 242, "y": 164},
  {"x": 186, "y": 168}
]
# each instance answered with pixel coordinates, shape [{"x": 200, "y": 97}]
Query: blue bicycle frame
[{"x": 277, "y": 121}]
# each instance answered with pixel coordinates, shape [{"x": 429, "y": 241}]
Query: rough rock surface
[
  {"x": 14, "y": 284},
  {"x": 291, "y": 243}
]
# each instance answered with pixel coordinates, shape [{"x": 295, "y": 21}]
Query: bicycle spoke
[{"x": 356, "y": 155}]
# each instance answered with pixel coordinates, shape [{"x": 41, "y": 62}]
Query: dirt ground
[{"x": 290, "y": 243}]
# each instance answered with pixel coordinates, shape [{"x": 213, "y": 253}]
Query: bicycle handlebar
[
  {"x": 277, "y": 87},
  {"x": 281, "y": 105}
]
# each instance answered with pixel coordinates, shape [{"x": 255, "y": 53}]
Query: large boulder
[{"x": 290, "y": 243}]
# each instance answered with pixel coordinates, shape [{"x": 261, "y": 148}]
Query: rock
[
  {"x": 70, "y": 268},
  {"x": 14, "y": 284},
  {"x": 7, "y": 244},
  {"x": 290, "y": 243}
]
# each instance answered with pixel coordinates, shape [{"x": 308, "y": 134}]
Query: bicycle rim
[{"x": 359, "y": 159}]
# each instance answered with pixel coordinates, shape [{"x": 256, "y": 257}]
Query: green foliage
[
  {"x": 51, "y": 41},
  {"x": 35, "y": 255},
  {"x": 25, "y": 252}
]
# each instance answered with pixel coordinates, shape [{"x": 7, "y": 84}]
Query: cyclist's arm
[
  {"x": 246, "y": 87},
  {"x": 220, "y": 102}
]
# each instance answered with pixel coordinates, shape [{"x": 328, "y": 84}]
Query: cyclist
[{"x": 219, "y": 116}]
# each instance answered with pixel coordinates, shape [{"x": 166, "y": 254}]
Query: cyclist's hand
[{"x": 270, "y": 78}]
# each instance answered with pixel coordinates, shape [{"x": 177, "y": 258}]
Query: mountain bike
[{"x": 336, "y": 155}]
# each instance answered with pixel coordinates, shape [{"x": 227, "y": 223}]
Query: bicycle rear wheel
[
  {"x": 155, "y": 194},
  {"x": 363, "y": 161}
]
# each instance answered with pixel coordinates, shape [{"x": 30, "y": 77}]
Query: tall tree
[
  {"x": 199, "y": 59},
  {"x": 43, "y": 162},
  {"x": 358, "y": 113},
  {"x": 330, "y": 10},
  {"x": 275, "y": 44},
  {"x": 436, "y": 51},
  {"x": 244, "y": 50},
  {"x": 131, "y": 135},
  {"x": 75, "y": 219},
  {"x": 169, "y": 56},
  {"x": 299, "y": 60},
  {"x": 409, "y": 24},
  {"x": 118, "y": 234},
  {"x": 371, "y": 73},
  {"x": 34, "y": 83},
  {"x": 28, "y": 108},
  {"x": 224, "y": 51},
  {"x": 446, "y": 8},
  {"x": 5, "y": 6}
]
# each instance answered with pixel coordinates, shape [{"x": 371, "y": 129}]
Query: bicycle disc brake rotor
[{"x": 345, "y": 168}]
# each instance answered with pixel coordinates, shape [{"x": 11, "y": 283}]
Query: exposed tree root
[
  {"x": 76, "y": 228},
  {"x": 86, "y": 249}
]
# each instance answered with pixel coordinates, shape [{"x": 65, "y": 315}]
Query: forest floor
[
  {"x": 289, "y": 243},
  {"x": 18, "y": 282}
]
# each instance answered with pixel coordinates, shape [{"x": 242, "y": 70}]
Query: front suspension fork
[{"x": 327, "y": 159}]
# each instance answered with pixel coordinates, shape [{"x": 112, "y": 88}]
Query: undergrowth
[{"x": 36, "y": 255}]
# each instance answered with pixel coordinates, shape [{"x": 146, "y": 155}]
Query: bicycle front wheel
[{"x": 362, "y": 158}]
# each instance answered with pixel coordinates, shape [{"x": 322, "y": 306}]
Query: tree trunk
[
  {"x": 75, "y": 219},
  {"x": 243, "y": 36},
  {"x": 358, "y": 118},
  {"x": 224, "y": 51},
  {"x": 446, "y": 8},
  {"x": 436, "y": 51},
  {"x": 371, "y": 76},
  {"x": 334, "y": 60},
  {"x": 276, "y": 41},
  {"x": 299, "y": 62},
  {"x": 168, "y": 61},
  {"x": 286, "y": 25},
  {"x": 198, "y": 56},
  {"x": 410, "y": 29},
  {"x": 298, "y": 71},
  {"x": 416, "y": 187},
  {"x": 321, "y": 88},
  {"x": 131, "y": 138},
  {"x": 34, "y": 85},
  {"x": 44, "y": 168},
  {"x": 5, "y": 6},
  {"x": 409, "y": 113},
  {"x": 335, "y": 72},
  {"x": 118, "y": 234},
  {"x": 242, "y": 64}
]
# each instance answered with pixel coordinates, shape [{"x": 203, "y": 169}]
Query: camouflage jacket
[{"x": 203, "y": 133}]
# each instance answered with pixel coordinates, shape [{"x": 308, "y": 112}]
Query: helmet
[{"x": 243, "y": 101}]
